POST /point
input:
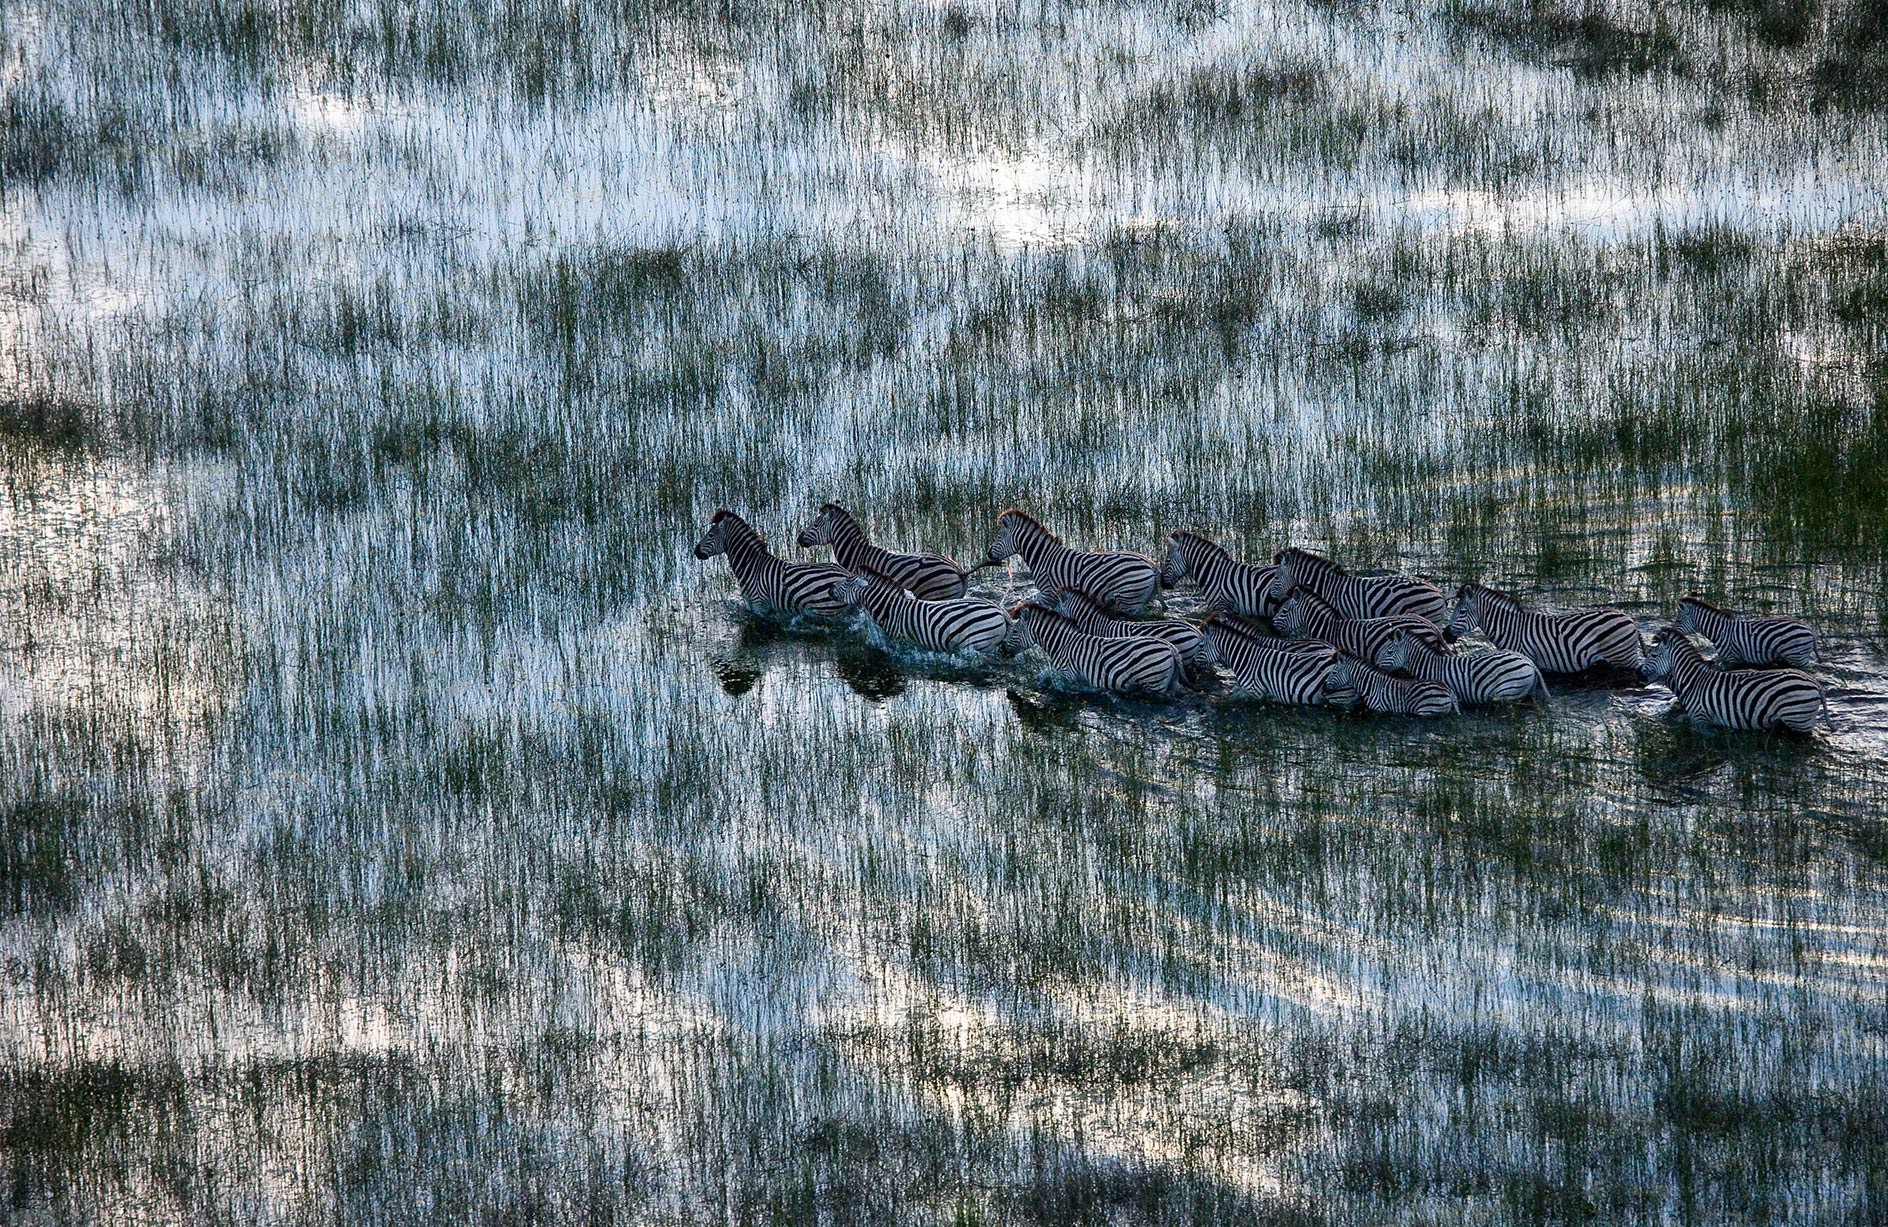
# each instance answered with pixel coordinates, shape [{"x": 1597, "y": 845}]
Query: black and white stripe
[
  {"x": 1108, "y": 664},
  {"x": 1393, "y": 696},
  {"x": 1734, "y": 698},
  {"x": 1473, "y": 677},
  {"x": 1124, "y": 581},
  {"x": 1235, "y": 587},
  {"x": 1278, "y": 669},
  {"x": 1748, "y": 641},
  {"x": 1305, "y": 615},
  {"x": 1091, "y": 617},
  {"x": 1357, "y": 596},
  {"x": 772, "y": 587},
  {"x": 929, "y": 577},
  {"x": 943, "y": 626},
  {"x": 1558, "y": 643}
]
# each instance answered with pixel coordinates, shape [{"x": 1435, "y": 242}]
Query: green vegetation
[{"x": 397, "y": 824}]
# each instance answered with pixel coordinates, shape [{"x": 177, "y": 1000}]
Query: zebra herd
[{"x": 1300, "y": 630}]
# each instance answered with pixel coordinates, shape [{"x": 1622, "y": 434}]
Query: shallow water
[{"x": 401, "y": 825}]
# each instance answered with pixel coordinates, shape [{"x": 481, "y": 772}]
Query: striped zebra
[
  {"x": 1393, "y": 696},
  {"x": 1232, "y": 586},
  {"x": 1748, "y": 641},
  {"x": 1107, "y": 664},
  {"x": 929, "y": 577},
  {"x": 1125, "y": 582},
  {"x": 1305, "y": 615},
  {"x": 1357, "y": 596},
  {"x": 1091, "y": 617},
  {"x": 1558, "y": 643},
  {"x": 1262, "y": 666},
  {"x": 942, "y": 626},
  {"x": 1473, "y": 677},
  {"x": 1734, "y": 698},
  {"x": 772, "y": 587}
]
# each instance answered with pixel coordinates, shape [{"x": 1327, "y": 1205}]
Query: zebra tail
[{"x": 1540, "y": 690}]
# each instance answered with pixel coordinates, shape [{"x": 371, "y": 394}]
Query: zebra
[
  {"x": 1235, "y": 587},
  {"x": 1558, "y": 643},
  {"x": 1393, "y": 696},
  {"x": 1107, "y": 664},
  {"x": 1262, "y": 667},
  {"x": 929, "y": 577},
  {"x": 1305, "y": 615},
  {"x": 1091, "y": 617},
  {"x": 1356, "y": 596},
  {"x": 771, "y": 586},
  {"x": 1125, "y": 582},
  {"x": 1733, "y": 698},
  {"x": 1474, "y": 678},
  {"x": 1266, "y": 635},
  {"x": 1748, "y": 641},
  {"x": 942, "y": 626}
]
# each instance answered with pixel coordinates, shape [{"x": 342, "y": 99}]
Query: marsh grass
[{"x": 397, "y": 824}]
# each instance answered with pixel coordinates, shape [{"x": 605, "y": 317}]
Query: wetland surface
[{"x": 398, "y": 825}]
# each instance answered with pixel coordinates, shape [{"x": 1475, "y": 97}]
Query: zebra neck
[
  {"x": 1050, "y": 633},
  {"x": 849, "y": 542},
  {"x": 747, "y": 555},
  {"x": 1712, "y": 622},
  {"x": 881, "y": 598},
  {"x": 1037, "y": 546},
  {"x": 1687, "y": 668}
]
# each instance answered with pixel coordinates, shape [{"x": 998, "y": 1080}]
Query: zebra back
[
  {"x": 1354, "y": 596},
  {"x": 1284, "y": 674},
  {"x": 1395, "y": 696},
  {"x": 1304, "y": 614},
  {"x": 1478, "y": 677},
  {"x": 1748, "y": 641},
  {"x": 770, "y": 585},
  {"x": 1734, "y": 698},
  {"x": 1092, "y": 617},
  {"x": 1109, "y": 664},
  {"x": 1557, "y": 642}
]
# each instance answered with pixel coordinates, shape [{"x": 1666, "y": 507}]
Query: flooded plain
[{"x": 399, "y": 825}]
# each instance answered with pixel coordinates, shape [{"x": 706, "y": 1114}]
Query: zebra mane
[
  {"x": 1311, "y": 598},
  {"x": 722, "y": 513},
  {"x": 1188, "y": 535},
  {"x": 827, "y": 508},
  {"x": 1238, "y": 626},
  {"x": 871, "y": 572},
  {"x": 1026, "y": 518},
  {"x": 1497, "y": 593},
  {"x": 1701, "y": 603},
  {"x": 1311, "y": 555},
  {"x": 1086, "y": 595}
]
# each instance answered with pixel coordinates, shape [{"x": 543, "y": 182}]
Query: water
[{"x": 401, "y": 825}]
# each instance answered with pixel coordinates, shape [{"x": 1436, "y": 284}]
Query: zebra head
[
  {"x": 1003, "y": 545},
  {"x": 1467, "y": 612},
  {"x": 1659, "y": 661},
  {"x": 715, "y": 541},
  {"x": 1020, "y": 637},
  {"x": 850, "y": 590},
  {"x": 1340, "y": 684},
  {"x": 1174, "y": 564},
  {"x": 820, "y": 531},
  {"x": 1393, "y": 656},
  {"x": 1289, "y": 618},
  {"x": 1275, "y": 580}
]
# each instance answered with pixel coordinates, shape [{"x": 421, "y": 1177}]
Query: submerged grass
[{"x": 397, "y": 824}]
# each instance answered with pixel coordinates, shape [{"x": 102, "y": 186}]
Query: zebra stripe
[
  {"x": 942, "y": 626},
  {"x": 1357, "y": 596},
  {"x": 1091, "y": 617},
  {"x": 1261, "y": 667},
  {"x": 1305, "y": 615},
  {"x": 1393, "y": 696},
  {"x": 929, "y": 577},
  {"x": 1735, "y": 698},
  {"x": 1107, "y": 664},
  {"x": 1473, "y": 677},
  {"x": 1558, "y": 643},
  {"x": 1122, "y": 580},
  {"x": 1748, "y": 641},
  {"x": 772, "y": 587},
  {"x": 1236, "y": 587}
]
